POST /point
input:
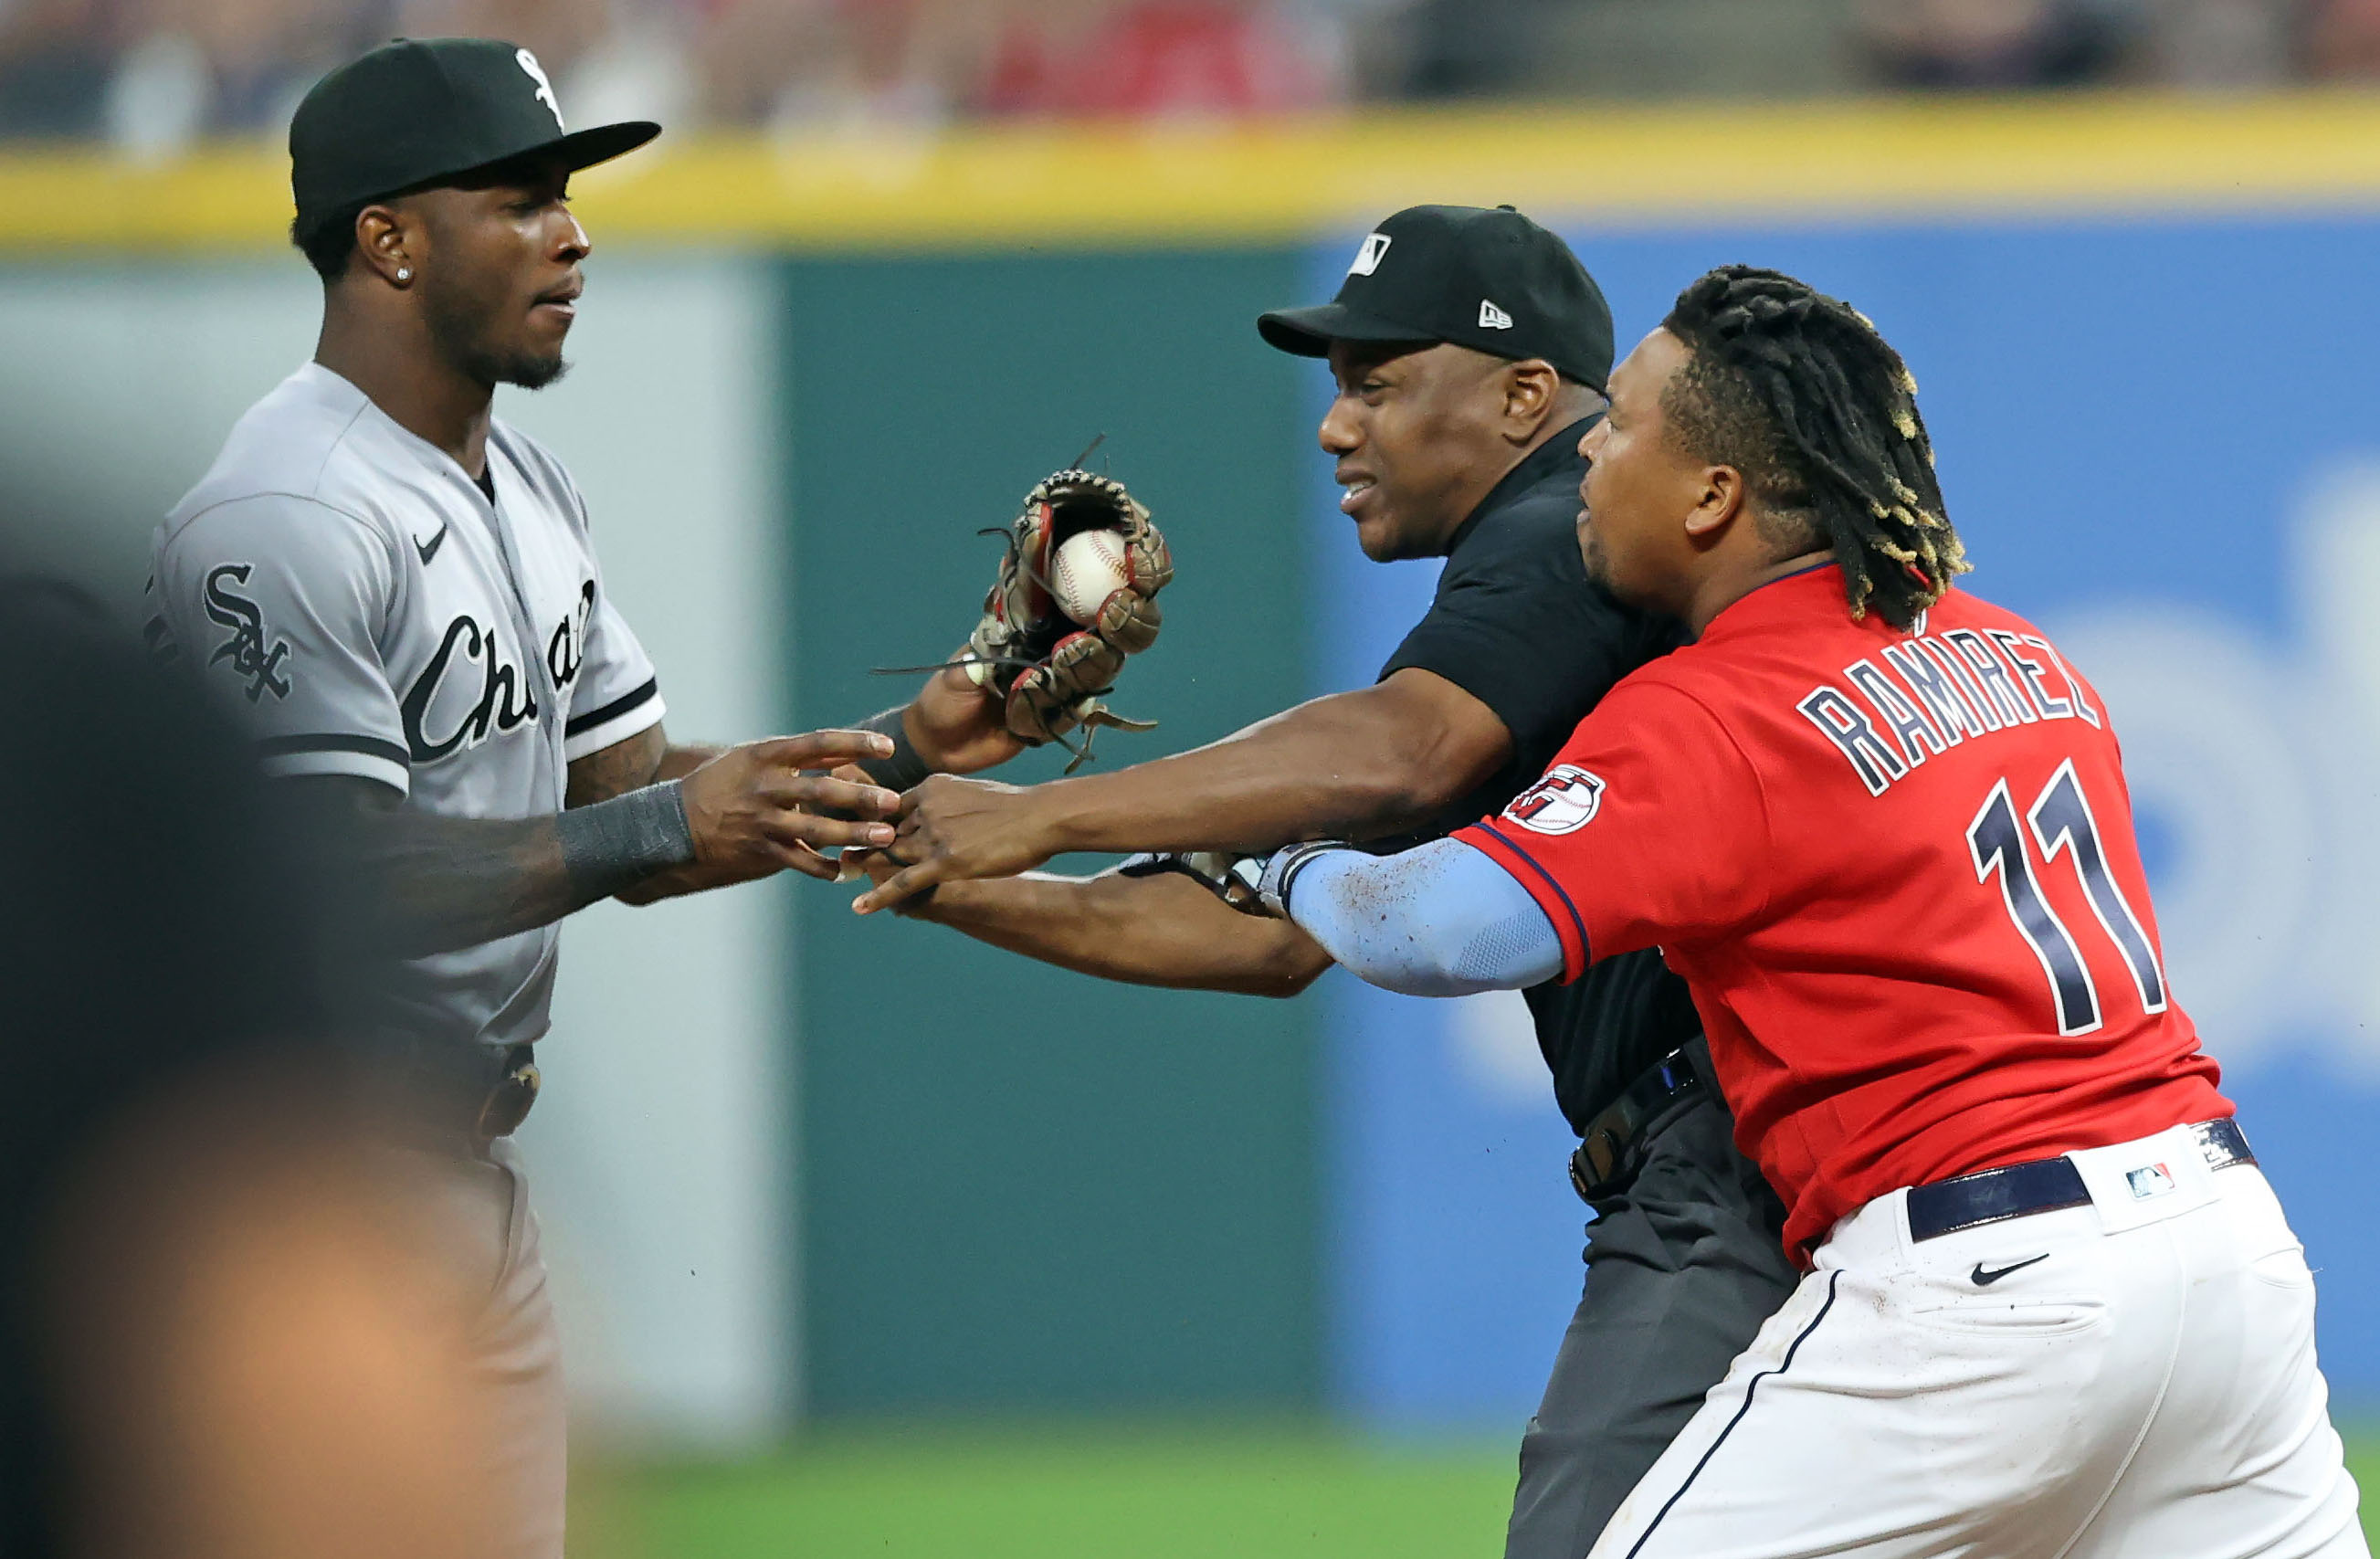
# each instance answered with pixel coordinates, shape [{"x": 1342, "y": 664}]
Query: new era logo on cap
[
  {"x": 1369, "y": 257},
  {"x": 1493, "y": 318}
]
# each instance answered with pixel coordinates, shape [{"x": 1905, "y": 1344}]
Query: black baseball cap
[
  {"x": 418, "y": 111},
  {"x": 1491, "y": 280}
]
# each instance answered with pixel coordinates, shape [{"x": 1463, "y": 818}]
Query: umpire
[{"x": 1470, "y": 350}]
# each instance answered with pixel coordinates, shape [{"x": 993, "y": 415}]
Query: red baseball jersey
[{"x": 1898, "y": 871}]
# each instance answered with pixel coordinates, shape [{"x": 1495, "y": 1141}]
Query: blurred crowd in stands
[{"x": 149, "y": 76}]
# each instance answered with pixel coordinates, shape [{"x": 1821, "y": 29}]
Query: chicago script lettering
[
  {"x": 466, "y": 640},
  {"x": 566, "y": 650}
]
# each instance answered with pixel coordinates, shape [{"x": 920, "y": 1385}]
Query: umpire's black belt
[
  {"x": 1613, "y": 1145},
  {"x": 2040, "y": 1186}
]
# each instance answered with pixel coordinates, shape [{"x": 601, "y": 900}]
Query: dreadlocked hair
[{"x": 1797, "y": 391}]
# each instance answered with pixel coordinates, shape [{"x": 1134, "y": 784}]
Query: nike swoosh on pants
[{"x": 1982, "y": 1279}]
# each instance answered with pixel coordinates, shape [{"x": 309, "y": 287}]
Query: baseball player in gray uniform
[{"x": 401, "y": 596}]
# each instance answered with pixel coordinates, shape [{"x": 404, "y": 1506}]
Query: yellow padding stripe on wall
[{"x": 1124, "y": 186}]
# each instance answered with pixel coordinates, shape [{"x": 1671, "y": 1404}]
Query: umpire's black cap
[
  {"x": 1491, "y": 280},
  {"x": 416, "y": 112}
]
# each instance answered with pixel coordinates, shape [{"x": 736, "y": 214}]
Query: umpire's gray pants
[
  {"x": 483, "y": 1206},
  {"x": 1680, "y": 1273}
]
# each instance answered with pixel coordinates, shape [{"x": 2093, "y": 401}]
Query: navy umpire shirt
[{"x": 1517, "y": 625}]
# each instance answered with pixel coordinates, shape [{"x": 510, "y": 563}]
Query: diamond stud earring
[{"x": 403, "y": 274}]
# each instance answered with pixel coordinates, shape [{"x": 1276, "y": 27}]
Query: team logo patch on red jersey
[{"x": 1563, "y": 802}]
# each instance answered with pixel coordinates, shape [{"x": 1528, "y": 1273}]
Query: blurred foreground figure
[{"x": 232, "y": 1322}]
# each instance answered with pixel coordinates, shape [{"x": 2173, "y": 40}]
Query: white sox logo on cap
[
  {"x": 1369, "y": 257},
  {"x": 1563, "y": 802},
  {"x": 536, "y": 72}
]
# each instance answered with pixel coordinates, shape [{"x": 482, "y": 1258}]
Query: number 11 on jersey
[{"x": 2060, "y": 822}]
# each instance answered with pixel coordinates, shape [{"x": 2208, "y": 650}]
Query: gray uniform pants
[
  {"x": 517, "y": 1353},
  {"x": 1680, "y": 1273}
]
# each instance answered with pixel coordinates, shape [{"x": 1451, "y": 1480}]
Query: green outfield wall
[{"x": 1020, "y": 1186}]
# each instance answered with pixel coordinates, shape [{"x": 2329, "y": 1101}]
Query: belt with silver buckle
[
  {"x": 1613, "y": 1146},
  {"x": 504, "y": 1106},
  {"x": 2020, "y": 1191},
  {"x": 478, "y": 1093}
]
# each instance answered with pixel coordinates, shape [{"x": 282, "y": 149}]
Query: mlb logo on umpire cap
[{"x": 1369, "y": 257}]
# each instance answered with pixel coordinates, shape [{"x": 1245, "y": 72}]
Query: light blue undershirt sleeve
[{"x": 1441, "y": 919}]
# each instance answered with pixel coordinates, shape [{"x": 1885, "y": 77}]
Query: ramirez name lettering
[{"x": 1933, "y": 691}]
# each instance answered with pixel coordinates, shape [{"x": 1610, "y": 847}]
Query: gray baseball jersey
[{"x": 370, "y": 612}]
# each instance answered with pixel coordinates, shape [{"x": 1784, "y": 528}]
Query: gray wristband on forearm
[
  {"x": 904, "y": 770},
  {"x": 617, "y": 844}
]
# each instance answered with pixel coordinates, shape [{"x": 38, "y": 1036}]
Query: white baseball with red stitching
[{"x": 1087, "y": 569}]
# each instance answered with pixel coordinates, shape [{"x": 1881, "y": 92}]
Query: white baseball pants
[{"x": 2133, "y": 1379}]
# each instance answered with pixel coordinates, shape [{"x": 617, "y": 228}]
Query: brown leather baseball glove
[{"x": 1053, "y": 672}]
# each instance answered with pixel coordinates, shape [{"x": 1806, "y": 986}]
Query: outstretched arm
[
  {"x": 647, "y": 758},
  {"x": 957, "y": 727},
  {"x": 951, "y": 726},
  {"x": 425, "y": 885},
  {"x": 1354, "y": 765},
  {"x": 1441, "y": 919},
  {"x": 644, "y": 820},
  {"x": 1162, "y": 930}
]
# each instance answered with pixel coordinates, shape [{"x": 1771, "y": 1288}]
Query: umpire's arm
[
  {"x": 1381, "y": 761},
  {"x": 1164, "y": 929}
]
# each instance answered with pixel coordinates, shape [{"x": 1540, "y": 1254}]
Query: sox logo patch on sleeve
[{"x": 250, "y": 656}]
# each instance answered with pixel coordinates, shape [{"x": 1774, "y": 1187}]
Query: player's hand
[
  {"x": 961, "y": 727},
  {"x": 698, "y": 878},
  {"x": 879, "y": 867},
  {"x": 762, "y": 808},
  {"x": 953, "y": 829}
]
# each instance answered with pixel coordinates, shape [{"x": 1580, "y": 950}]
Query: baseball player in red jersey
[{"x": 1881, "y": 827}]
